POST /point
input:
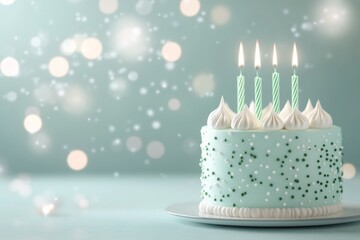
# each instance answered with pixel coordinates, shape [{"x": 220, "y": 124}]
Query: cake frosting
[
  {"x": 296, "y": 121},
  {"x": 221, "y": 117},
  {"x": 308, "y": 109},
  {"x": 272, "y": 121},
  {"x": 287, "y": 165},
  {"x": 267, "y": 110},
  {"x": 245, "y": 120},
  {"x": 285, "y": 112},
  {"x": 319, "y": 118}
]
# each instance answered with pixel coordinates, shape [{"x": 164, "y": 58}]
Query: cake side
[{"x": 283, "y": 169}]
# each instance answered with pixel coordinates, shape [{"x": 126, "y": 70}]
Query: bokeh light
[
  {"x": 9, "y": 66},
  {"x": 133, "y": 144},
  {"x": 332, "y": 17},
  {"x": 220, "y": 15},
  {"x": 349, "y": 171},
  {"x": 117, "y": 88},
  {"x": 144, "y": 7},
  {"x": 68, "y": 46},
  {"x": 190, "y": 7},
  {"x": 58, "y": 67},
  {"x": 40, "y": 142},
  {"x": 130, "y": 39},
  {"x": 171, "y": 51},
  {"x": 76, "y": 100},
  {"x": 174, "y": 104},
  {"x": 91, "y": 48},
  {"x": 32, "y": 123},
  {"x": 133, "y": 76},
  {"x": 7, "y": 2},
  {"x": 204, "y": 84},
  {"x": 108, "y": 6},
  {"x": 77, "y": 160},
  {"x": 22, "y": 186},
  {"x": 155, "y": 149},
  {"x": 11, "y": 96}
]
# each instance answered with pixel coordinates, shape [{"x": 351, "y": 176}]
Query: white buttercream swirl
[
  {"x": 221, "y": 117},
  {"x": 308, "y": 109},
  {"x": 319, "y": 118},
  {"x": 245, "y": 120},
  {"x": 267, "y": 110},
  {"x": 296, "y": 121},
  {"x": 243, "y": 212},
  {"x": 252, "y": 108},
  {"x": 272, "y": 122},
  {"x": 229, "y": 110},
  {"x": 285, "y": 112}
]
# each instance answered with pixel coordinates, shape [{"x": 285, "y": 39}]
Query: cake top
[{"x": 291, "y": 119}]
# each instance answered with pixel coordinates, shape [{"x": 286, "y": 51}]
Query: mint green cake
[{"x": 287, "y": 165}]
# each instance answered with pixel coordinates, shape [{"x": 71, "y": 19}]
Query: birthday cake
[{"x": 279, "y": 165}]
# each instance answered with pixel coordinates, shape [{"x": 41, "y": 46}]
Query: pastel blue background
[{"x": 326, "y": 33}]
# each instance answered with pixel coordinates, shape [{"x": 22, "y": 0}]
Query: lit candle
[
  {"x": 258, "y": 83},
  {"x": 275, "y": 84},
  {"x": 294, "y": 81},
  {"x": 240, "y": 81}
]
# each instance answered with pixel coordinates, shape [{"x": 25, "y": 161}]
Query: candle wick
[{"x": 257, "y": 71}]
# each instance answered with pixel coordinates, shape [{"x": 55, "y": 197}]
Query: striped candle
[
  {"x": 294, "y": 91},
  {"x": 258, "y": 97},
  {"x": 276, "y": 91},
  {"x": 240, "y": 80},
  {"x": 294, "y": 81},
  {"x": 240, "y": 92},
  {"x": 275, "y": 84},
  {"x": 258, "y": 83}
]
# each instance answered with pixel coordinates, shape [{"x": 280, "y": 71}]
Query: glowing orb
[
  {"x": 156, "y": 125},
  {"x": 220, "y": 15},
  {"x": 174, "y": 104},
  {"x": 133, "y": 143},
  {"x": 204, "y": 84},
  {"x": 171, "y": 51},
  {"x": 130, "y": 39},
  {"x": 58, "y": 67},
  {"x": 11, "y": 96},
  {"x": 91, "y": 48},
  {"x": 7, "y": 2},
  {"x": 155, "y": 149},
  {"x": 117, "y": 88},
  {"x": 108, "y": 6},
  {"x": 144, "y": 7},
  {"x": 77, "y": 160},
  {"x": 349, "y": 171},
  {"x": 9, "y": 66},
  {"x": 333, "y": 18},
  {"x": 68, "y": 46},
  {"x": 36, "y": 42},
  {"x": 190, "y": 7},
  {"x": 32, "y": 123},
  {"x": 76, "y": 100}
]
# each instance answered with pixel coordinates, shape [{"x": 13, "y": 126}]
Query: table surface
[{"x": 130, "y": 207}]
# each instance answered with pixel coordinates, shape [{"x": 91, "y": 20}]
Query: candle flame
[
  {"x": 241, "y": 56},
  {"x": 295, "y": 57},
  {"x": 257, "y": 56},
  {"x": 275, "y": 60}
]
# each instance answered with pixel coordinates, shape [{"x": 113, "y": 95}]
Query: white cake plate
[{"x": 190, "y": 211}]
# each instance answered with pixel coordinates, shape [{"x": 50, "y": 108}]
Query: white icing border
[{"x": 242, "y": 212}]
